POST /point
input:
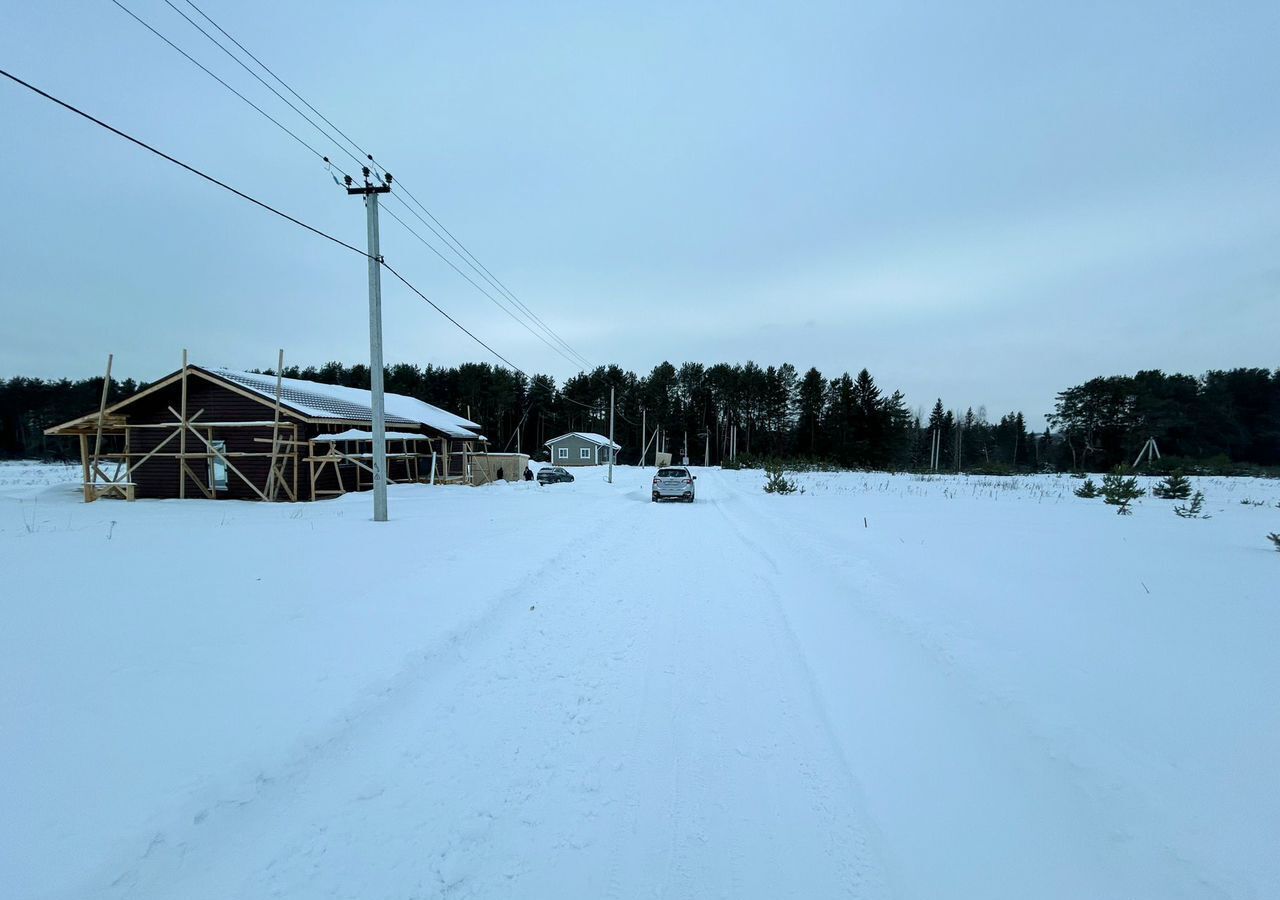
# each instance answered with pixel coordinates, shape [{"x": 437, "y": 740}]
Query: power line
[
  {"x": 241, "y": 63},
  {"x": 480, "y": 269},
  {"x": 577, "y": 358},
  {"x": 452, "y": 242},
  {"x": 405, "y": 282},
  {"x": 177, "y": 162},
  {"x": 268, "y": 70},
  {"x": 201, "y": 66},
  {"x": 241, "y": 194},
  {"x": 449, "y": 262},
  {"x": 497, "y": 281},
  {"x": 597, "y": 409}
]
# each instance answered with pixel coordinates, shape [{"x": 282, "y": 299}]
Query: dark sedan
[{"x": 553, "y": 474}]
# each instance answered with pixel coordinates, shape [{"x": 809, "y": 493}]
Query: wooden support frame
[
  {"x": 318, "y": 461},
  {"x": 84, "y": 466},
  {"x": 275, "y": 471},
  {"x": 111, "y": 454},
  {"x": 219, "y": 455},
  {"x": 102, "y": 411},
  {"x": 97, "y": 483},
  {"x": 182, "y": 439}
]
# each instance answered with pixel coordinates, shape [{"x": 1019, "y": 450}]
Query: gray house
[{"x": 581, "y": 448}]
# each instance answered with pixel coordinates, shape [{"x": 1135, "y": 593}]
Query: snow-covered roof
[
  {"x": 355, "y": 434},
  {"x": 331, "y": 401},
  {"x": 598, "y": 439}
]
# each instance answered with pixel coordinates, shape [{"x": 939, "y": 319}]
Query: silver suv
[{"x": 673, "y": 483}]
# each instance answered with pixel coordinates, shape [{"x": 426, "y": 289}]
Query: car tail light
[{"x": 688, "y": 481}]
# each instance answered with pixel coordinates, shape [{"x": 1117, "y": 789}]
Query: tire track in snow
[
  {"x": 965, "y": 791},
  {"x": 619, "y": 738},
  {"x": 862, "y": 833},
  {"x": 194, "y": 827},
  {"x": 762, "y": 807}
]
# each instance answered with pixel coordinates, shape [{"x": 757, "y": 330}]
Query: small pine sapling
[
  {"x": 1275, "y": 539},
  {"x": 1193, "y": 511},
  {"x": 1175, "y": 487},
  {"x": 1120, "y": 491},
  {"x": 1088, "y": 490},
  {"x": 777, "y": 482}
]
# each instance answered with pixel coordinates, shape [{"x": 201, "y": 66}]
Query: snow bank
[{"x": 886, "y": 686}]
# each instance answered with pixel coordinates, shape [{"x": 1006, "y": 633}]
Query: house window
[
  {"x": 586, "y": 453},
  {"x": 563, "y": 452},
  {"x": 218, "y": 468}
]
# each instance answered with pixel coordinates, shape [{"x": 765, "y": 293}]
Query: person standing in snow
[{"x": 528, "y": 474}]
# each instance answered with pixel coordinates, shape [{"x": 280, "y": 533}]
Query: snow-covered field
[{"x": 889, "y": 686}]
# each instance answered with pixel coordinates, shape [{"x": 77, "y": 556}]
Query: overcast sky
[{"x": 977, "y": 201}]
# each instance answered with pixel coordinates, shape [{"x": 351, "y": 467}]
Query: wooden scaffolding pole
[
  {"x": 275, "y": 476},
  {"x": 97, "y": 441},
  {"x": 84, "y": 465},
  {"x": 222, "y": 456},
  {"x": 182, "y": 433}
]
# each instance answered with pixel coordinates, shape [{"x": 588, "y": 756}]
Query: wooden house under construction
[{"x": 218, "y": 433}]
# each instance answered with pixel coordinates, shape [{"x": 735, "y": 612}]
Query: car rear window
[{"x": 673, "y": 473}]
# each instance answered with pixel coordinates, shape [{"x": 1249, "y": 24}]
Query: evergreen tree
[
  {"x": 840, "y": 419},
  {"x": 869, "y": 423},
  {"x": 901, "y": 432},
  {"x": 942, "y": 424},
  {"x": 1088, "y": 490},
  {"x": 1174, "y": 487},
  {"x": 1117, "y": 490},
  {"x": 1194, "y": 510},
  {"x": 809, "y": 407}
]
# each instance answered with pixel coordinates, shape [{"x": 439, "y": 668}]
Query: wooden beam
[
  {"x": 178, "y": 424},
  {"x": 102, "y": 410},
  {"x": 275, "y": 428},
  {"x": 158, "y": 447},
  {"x": 84, "y": 465},
  {"x": 188, "y": 471},
  {"x": 219, "y": 454},
  {"x": 182, "y": 440}
]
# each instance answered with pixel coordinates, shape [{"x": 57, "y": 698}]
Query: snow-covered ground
[
  {"x": 17, "y": 477},
  {"x": 889, "y": 686}
]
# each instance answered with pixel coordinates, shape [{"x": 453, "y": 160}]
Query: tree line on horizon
[{"x": 849, "y": 421}]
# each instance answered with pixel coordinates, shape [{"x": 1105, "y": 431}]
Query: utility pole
[
  {"x": 644, "y": 443},
  {"x": 611, "y": 450},
  {"x": 370, "y": 193}
]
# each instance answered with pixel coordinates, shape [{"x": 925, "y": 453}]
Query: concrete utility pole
[
  {"x": 370, "y": 193},
  {"x": 644, "y": 442},
  {"x": 611, "y": 451}
]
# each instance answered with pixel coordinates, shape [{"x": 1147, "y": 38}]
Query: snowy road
[
  {"x": 717, "y": 700},
  {"x": 625, "y": 725}
]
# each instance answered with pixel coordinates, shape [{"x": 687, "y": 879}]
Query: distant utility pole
[
  {"x": 370, "y": 193},
  {"x": 611, "y": 451}
]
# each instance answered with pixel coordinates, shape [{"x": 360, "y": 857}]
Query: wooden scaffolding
[
  {"x": 114, "y": 450},
  {"x": 124, "y": 462}
]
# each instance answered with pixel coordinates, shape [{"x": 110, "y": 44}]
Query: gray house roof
[
  {"x": 591, "y": 437},
  {"x": 329, "y": 401}
]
